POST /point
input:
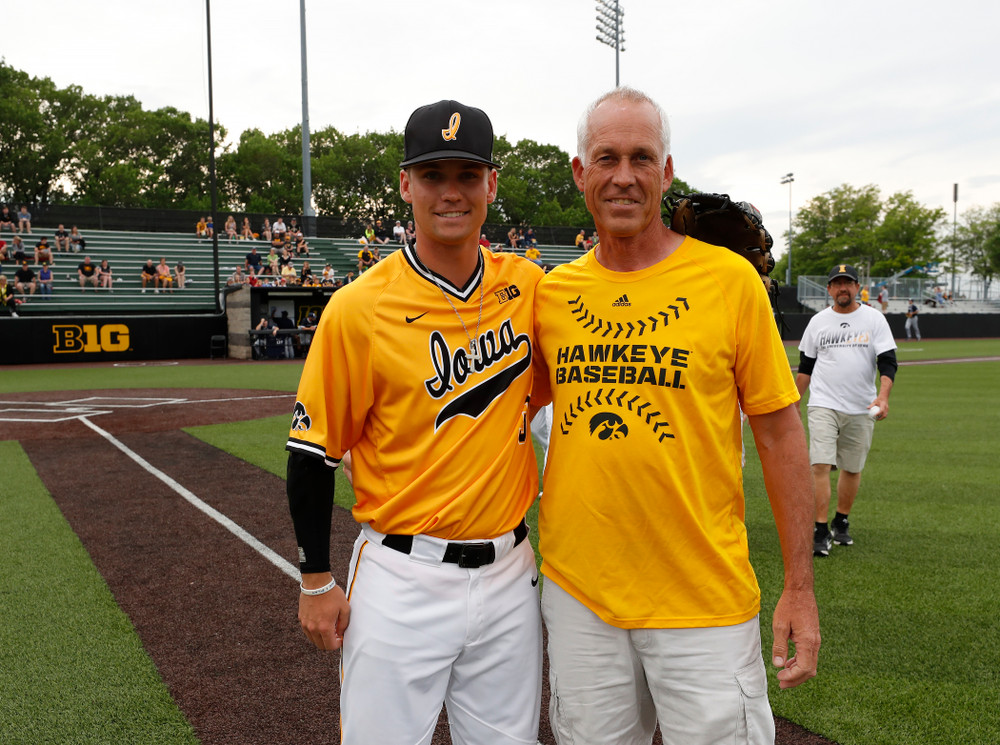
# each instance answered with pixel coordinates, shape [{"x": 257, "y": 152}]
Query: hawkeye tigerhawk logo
[{"x": 608, "y": 426}]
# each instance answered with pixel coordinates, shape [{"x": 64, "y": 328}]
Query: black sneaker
[
  {"x": 840, "y": 535},
  {"x": 822, "y": 541}
]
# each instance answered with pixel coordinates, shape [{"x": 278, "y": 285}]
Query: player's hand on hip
[
  {"x": 796, "y": 620},
  {"x": 325, "y": 617}
]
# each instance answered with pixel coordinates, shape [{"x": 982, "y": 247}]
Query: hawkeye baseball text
[{"x": 622, "y": 374}]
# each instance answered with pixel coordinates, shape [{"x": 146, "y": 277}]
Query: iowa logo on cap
[
  {"x": 843, "y": 269},
  {"x": 453, "y": 124}
]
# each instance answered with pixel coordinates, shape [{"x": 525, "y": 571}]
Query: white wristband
[{"x": 319, "y": 590}]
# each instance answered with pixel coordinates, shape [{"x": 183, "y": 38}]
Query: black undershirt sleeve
[
  {"x": 887, "y": 364},
  {"x": 309, "y": 485},
  {"x": 806, "y": 364}
]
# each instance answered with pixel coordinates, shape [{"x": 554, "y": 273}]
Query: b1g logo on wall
[{"x": 111, "y": 337}]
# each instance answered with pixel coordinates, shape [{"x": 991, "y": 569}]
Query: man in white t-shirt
[
  {"x": 399, "y": 232},
  {"x": 841, "y": 349}
]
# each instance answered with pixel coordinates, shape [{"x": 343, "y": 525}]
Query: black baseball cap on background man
[
  {"x": 448, "y": 130},
  {"x": 843, "y": 270}
]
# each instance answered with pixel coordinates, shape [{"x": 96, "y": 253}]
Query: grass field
[{"x": 911, "y": 640}]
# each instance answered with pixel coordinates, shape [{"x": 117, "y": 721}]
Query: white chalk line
[{"x": 274, "y": 558}]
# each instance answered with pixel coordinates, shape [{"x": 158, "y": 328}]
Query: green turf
[
  {"x": 72, "y": 669},
  {"x": 267, "y": 376},
  {"x": 936, "y": 349},
  {"x": 911, "y": 642}
]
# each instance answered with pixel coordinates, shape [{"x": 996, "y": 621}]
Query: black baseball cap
[
  {"x": 843, "y": 270},
  {"x": 448, "y": 130}
]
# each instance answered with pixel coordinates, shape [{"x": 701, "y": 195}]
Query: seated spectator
[
  {"x": 301, "y": 247},
  {"x": 230, "y": 227},
  {"x": 284, "y": 258},
  {"x": 148, "y": 274},
  {"x": 288, "y": 274},
  {"x": 252, "y": 262},
  {"x": 104, "y": 275},
  {"x": 265, "y": 230},
  {"x": 399, "y": 233},
  {"x": 279, "y": 228},
  {"x": 24, "y": 220},
  {"x": 7, "y": 299},
  {"x": 580, "y": 238},
  {"x": 272, "y": 263},
  {"x": 76, "y": 241},
  {"x": 484, "y": 241},
  {"x": 180, "y": 275},
  {"x": 86, "y": 271},
  {"x": 43, "y": 252},
  {"x": 17, "y": 253},
  {"x": 4, "y": 256},
  {"x": 349, "y": 278},
  {"x": 62, "y": 239},
  {"x": 246, "y": 232},
  {"x": 237, "y": 277},
  {"x": 45, "y": 281},
  {"x": 529, "y": 237},
  {"x": 381, "y": 234},
  {"x": 369, "y": 236},
  {"x": 366, "y": 259},
  {"x": 201, "y": 228},
  {"x": 411, "y": 234},
  {"x": 164, "y": 277},
  {"x": 24, "y": 278},
  {"x": 532, "y": 254},
  {"x": 278, "y": 242},
  {"x": 7, "y": 219},
  {"x": 329, "y": 273},
  {"x": 293, "y": 227},
  {"x": 512, "y": 238},
  {"x": 306, "y": 276}
]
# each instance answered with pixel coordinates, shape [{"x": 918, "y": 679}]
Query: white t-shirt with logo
[{"x": 845, "y": 346}]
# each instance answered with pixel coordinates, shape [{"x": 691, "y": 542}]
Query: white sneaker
[{"x": 14, "y": 315}]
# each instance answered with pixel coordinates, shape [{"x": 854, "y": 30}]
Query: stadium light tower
[
  {"x": 788, "y": 178},
  {"x": 609, "y": 28},
  {"x": 308, "y": 214}
]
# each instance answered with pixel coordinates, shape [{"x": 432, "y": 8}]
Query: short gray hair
[{"x": 624, "y": 94}]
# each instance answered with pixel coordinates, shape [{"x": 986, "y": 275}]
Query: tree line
[{"x": 66, "y": 146}]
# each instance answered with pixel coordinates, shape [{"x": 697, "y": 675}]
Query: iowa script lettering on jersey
[
  {"x": 622, "y": 364},
  {"x": 452, "y": 369}
]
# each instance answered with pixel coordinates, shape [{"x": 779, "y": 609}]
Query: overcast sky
[{"x": 901, "y": 94}]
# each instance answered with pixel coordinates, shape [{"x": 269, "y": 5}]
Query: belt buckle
[{"x": 475, "y": 555}]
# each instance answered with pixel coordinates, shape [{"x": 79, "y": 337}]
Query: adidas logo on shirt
[{"x": 621, "y": 302}]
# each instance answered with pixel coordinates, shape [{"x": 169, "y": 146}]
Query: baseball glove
[{"x": 716, "y": 219}]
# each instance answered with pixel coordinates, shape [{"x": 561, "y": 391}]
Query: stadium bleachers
[{"x": 126, "y": 252}]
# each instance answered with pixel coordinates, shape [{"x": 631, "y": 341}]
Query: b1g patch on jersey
[{"x": 301, "y": 421}]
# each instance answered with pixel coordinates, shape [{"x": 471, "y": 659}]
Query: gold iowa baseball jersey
[
  {"x": 642, "y": 513},
  {"x": 439, "y": 439}
]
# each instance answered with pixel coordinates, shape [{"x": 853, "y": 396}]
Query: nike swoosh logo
[
  {"x": 534, "y": 582},
  {"x": 411, "y": 320}
]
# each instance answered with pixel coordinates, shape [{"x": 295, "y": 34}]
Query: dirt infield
[{"x": 216, "y": 615}]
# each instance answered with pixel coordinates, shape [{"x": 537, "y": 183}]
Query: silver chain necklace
[{"x": 473, "y": 340}]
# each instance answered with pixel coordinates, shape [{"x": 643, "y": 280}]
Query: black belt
[{"x": 466, "y": 555}]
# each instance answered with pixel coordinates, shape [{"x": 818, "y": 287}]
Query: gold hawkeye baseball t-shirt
[
  {"x": 642, "y": 513},
  {"x": 440, "y": 442}
]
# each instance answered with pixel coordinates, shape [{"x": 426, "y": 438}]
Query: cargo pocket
[
  {"x": 559, "y": 727},
  {"x": 756, "y": 723}
]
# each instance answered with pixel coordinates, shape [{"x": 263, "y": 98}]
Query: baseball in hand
[{"x": 873, "y": 412}]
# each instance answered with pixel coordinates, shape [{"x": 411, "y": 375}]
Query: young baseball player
[{"x": 422, "y": 370}]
